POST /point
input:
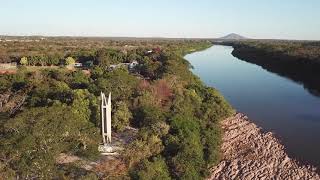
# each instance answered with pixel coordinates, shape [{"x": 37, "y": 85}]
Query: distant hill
[{"x": 233, "y": 36}]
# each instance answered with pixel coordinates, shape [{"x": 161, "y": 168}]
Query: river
[{"x": 275, "y": 103}]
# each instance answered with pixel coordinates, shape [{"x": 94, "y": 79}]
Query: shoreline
[{"x": 251, "y": 153}]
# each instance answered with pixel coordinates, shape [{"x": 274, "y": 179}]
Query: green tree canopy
[
  {"x": 121, "y": 116},
  {"x": 69, "y": 61},
  {"x": 156, "y": 169},
  {"x": 24, "y": 61},
  {"x": 37, "y": 136}
]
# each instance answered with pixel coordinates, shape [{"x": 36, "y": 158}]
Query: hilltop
[{"x": 233, "y": 36}]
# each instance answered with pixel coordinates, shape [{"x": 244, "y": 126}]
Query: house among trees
[
  {"x": 78, "y": 64},
  {"x": 133, "y": 64},
  {"x": 130, "y": 66},
  {"x": 88, "y": 64},
  {"x": 154, "y": 50}
]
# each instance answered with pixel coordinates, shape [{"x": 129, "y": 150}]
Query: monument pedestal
[{"x": 109, "y": 150}]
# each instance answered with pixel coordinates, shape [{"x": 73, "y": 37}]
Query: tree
[
  {"x": 79, "y": 80},
  {"x": 150, "y": 69},
  {"x": 143, "y": 147},
  {"x": 43, "y": 60},
  {"x": 119, "y": 82},
  {"x": 33, "y": 60},
  {"x": 155, "y": 169},
  {"x": 69, "y": 61},
  {"x": 105, "y": 57},
  {"x": 121, "y": 116},
  {"x": 96, "y": 72},
  {"x": 149, "y": 115},
  {"x": 53, "y": 60},
  {"x": 24, "y": 61},
  {"x": 187, "y": 150},
  {"x": 39, "y": 135}
]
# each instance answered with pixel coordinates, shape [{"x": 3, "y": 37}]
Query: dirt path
[{"x": 252, "y": 154}]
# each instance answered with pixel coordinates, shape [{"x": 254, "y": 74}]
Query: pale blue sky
[{"x": 289, "y": 19}]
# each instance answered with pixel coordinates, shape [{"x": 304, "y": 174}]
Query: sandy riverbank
[{"x": 248, "y": 153}]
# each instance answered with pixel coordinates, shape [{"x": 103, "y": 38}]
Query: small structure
[
  {"x": 113, "y": 66},
  {"x": 130, "y": 66},
  {"x": 133, "y": 64},
  {"x": 88, "y": 64},
  {"x": 9, "y": 65},
  {"x": 77, "y": 65}
]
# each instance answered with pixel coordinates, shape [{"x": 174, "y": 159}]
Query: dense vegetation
[
  {"x": 307, "y": 50},
  {"x": 51, "y": 111},
  {"x": 297, "y": 60}
]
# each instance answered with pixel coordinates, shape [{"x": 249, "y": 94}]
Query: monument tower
[
  {"x": 106, "y": 148},
  {"x": 106, "y": 118}
]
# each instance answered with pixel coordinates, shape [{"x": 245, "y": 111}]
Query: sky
[{"x": 265, "y": 19}]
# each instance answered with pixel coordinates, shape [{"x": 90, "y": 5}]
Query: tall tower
[{"x": 106, "y": 119}]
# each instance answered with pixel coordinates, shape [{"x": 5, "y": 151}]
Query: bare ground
[{"x": 248, "y": 153}]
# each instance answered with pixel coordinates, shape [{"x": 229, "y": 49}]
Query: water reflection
[{"x": 273, "y": 102}]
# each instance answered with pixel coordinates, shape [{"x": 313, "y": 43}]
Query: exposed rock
[{"x": 248, "y": 153}]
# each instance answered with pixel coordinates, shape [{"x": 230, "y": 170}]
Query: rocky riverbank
[{"x": 249, "y": 153}]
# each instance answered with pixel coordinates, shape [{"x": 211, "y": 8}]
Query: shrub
[
  {"x": 188, "y": 158},
  {"x": 69, "y": 61},
  {"x": 121, "y": 116},
  {"x": 156, "y": 169},
  {"x": 149, "y": 115},
  {"x": 24, "y": 61}
]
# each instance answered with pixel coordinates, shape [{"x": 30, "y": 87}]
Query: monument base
[{"x": 109, "y": 150}]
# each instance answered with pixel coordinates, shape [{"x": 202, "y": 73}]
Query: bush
[
  {"x": 142, "y": 148},
  {"x": 212, "y": 139},
  {"x": 24, "y": 61},
  {"x": 156, "y": 169},
  {"x": 121, "y": 116},
  {"x": 69, "y": 61},
  {"x": 188, "y": 157},
  {"x": 148, "y": 115},
  {"x": 79, "y": 80}
]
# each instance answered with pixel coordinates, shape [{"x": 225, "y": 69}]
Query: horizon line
[{"x": 151, "y": 37}]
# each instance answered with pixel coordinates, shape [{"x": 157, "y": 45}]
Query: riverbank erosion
[{"x": 249, "y": 153}]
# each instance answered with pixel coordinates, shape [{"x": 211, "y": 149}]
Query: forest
[{"x": 54, "y": 110}]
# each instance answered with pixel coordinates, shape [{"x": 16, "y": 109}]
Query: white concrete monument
[
  {"x": 106, "y": 148},
  {"x": 106, "y": 118}
]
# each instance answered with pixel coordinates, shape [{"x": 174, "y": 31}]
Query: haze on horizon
[{"x": 273, "y": 19}]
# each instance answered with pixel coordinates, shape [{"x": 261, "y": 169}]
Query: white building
[
  {"x": 133, "y": 64},
  {"x": 77, "y": 64}
]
